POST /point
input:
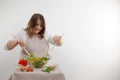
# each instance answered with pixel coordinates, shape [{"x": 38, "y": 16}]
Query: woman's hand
[
  {"x": 13, "y": 43},
  {"x": 21, "y": 43},
  {"x": 58, "y": 40}
]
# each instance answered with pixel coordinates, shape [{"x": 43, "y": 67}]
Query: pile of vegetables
[
  {"x": 26, "y": 65},
  {"x": 48, "y": 69},
  {"x": 23, "y": 66},
  {"x": 38, "y": 62}
]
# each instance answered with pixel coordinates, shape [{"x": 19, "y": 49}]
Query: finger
[
  {"x": 23, "y": 44},
  {"x": 60, "y": 42},
  {"x": 55, "y": 38},
  {"x": 59, "y": 39},
  {"x": 20, "y": 43}
]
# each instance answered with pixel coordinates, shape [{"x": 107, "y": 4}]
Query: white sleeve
[
  {"x": 49, "y": 38},
  {"x": 21, "y": 35}
]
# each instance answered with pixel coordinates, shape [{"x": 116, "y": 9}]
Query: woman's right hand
[{"x": 21, "y": 43}]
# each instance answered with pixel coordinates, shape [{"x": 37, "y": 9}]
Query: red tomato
[
  {"x": 22, "y": 62},
  {"x": 29, "y": 69}
]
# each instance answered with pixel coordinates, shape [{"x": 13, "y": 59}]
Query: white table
[{"x": 37, "y": 74}]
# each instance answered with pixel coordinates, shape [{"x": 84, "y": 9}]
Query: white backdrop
[{"x": 91, "y": 49}]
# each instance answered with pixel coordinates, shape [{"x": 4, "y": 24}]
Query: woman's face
[{"x": 38, "y": 27}]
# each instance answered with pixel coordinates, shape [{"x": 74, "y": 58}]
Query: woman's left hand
[{"x": 58, "y": 40}]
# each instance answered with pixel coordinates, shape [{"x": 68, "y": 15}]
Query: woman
[{"x": 34, "y": 38}]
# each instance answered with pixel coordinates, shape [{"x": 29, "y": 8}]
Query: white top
[{"x": 39, "y": 47}]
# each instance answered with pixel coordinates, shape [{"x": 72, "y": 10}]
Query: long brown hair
[{"x": 33, "y": 22}]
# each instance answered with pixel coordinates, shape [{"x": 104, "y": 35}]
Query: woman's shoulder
[
  {"x": 22, "y": 31},
  {"x": 21, "y": 34}
]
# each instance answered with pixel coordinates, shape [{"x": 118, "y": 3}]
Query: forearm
[{"x": 11, "y": 44}]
